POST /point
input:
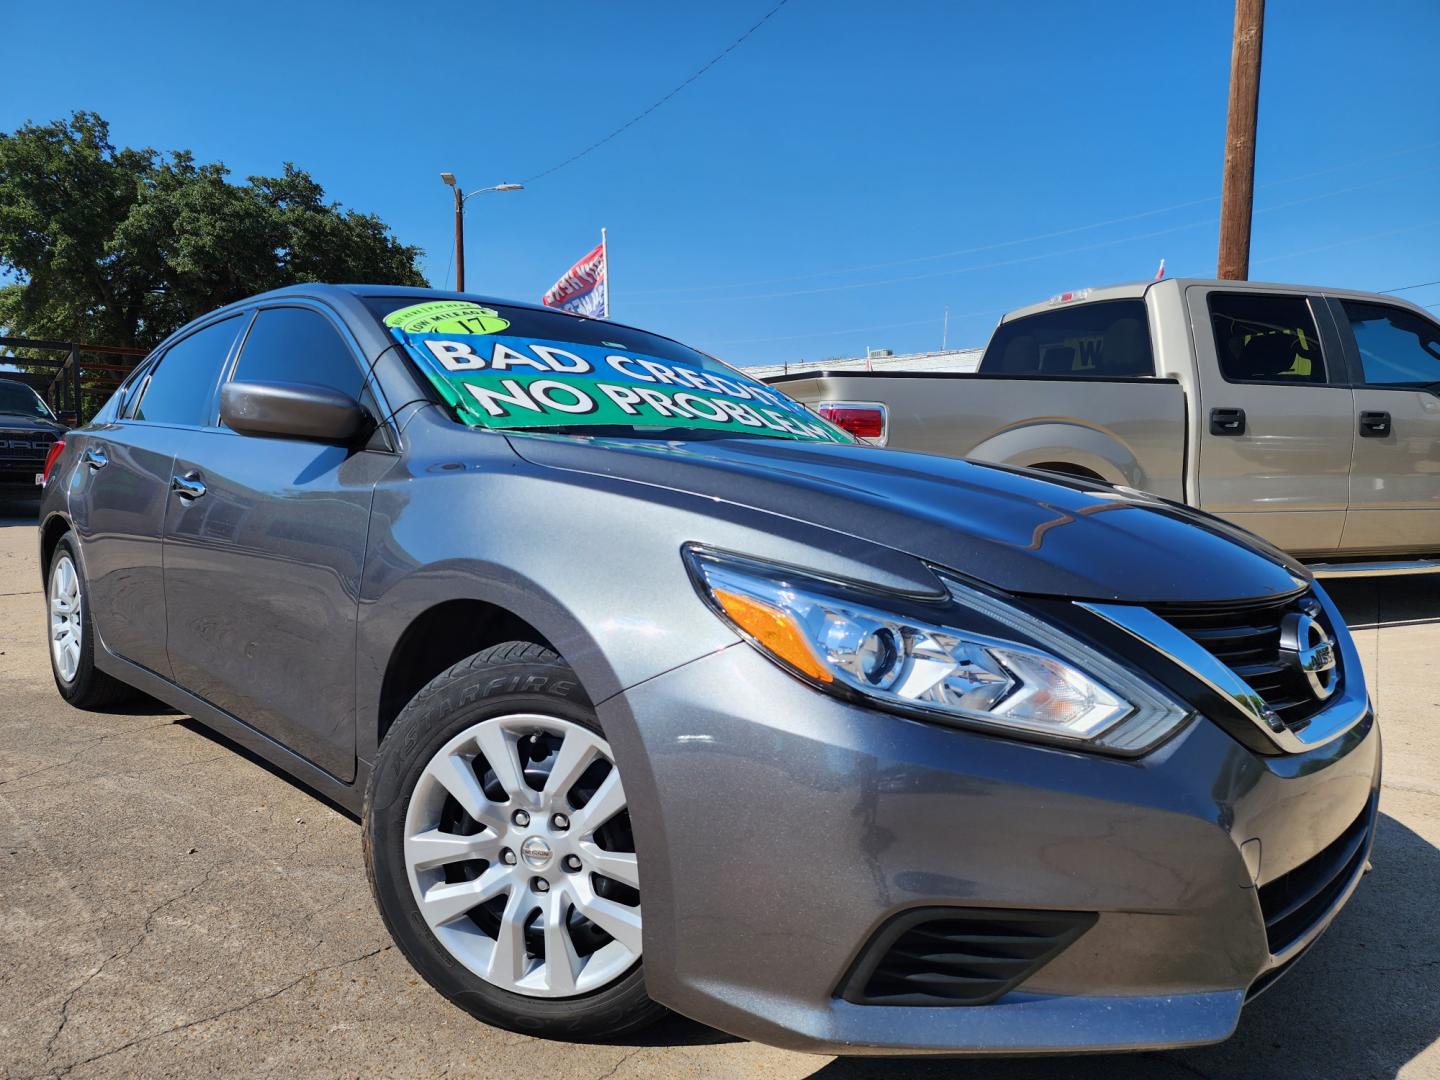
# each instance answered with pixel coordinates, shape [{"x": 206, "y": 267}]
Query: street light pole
[
  {"x": 459, "y": 241},
  {"x": 460, "y": 199}
]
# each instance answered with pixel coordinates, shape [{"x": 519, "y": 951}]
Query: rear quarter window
[{"x": 1106, "y": 340}]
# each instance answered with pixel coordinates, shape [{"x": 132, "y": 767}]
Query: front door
[
  {"x": 1395, "y": 481},
  {"x": 264, "y": 548},
  {"x": 1277, "y": 415}
]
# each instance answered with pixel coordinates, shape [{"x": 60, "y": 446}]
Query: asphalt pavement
[{"x": 170, "y": 906}]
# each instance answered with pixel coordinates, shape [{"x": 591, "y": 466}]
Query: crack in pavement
[
  {"x": 82, "y": 750},
  {"x": 118, "y": 954},
  {"x": 616, "y": 1067},
  {"x": 251, "y": 1003}
]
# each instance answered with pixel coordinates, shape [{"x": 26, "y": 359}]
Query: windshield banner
[{"x": 495, "y": 380}]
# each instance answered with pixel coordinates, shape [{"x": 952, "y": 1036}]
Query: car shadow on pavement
[
  {"x": 1363, "y": 1003},
  {"x": 1373, "y": 603}
]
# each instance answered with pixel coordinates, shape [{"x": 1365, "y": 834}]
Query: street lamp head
[
  {"x": 449, "y": 178},
  {"x": 509, "y": 187}
]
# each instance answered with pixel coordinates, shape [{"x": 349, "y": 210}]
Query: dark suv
[
  {"x": 28, "y": 431},
  {"x": 917, "y": 754}
]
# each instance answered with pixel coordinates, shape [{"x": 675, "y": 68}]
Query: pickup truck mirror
[{"x": 291, "y": 410}]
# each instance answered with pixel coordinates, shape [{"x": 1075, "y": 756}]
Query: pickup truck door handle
[
  {"x": 96, "y": 458},
  {"x": 189, "y": 487},
  {"x": 1227, "y": 421},
  {"x": 1374, "y": 425}
]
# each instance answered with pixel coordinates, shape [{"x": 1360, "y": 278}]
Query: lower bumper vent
[
  {"x": 1296, "y": 901},
  {"x": 958, "y": 956}
]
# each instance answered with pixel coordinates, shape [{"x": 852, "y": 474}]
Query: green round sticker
[{"x": 447, "y": 317}]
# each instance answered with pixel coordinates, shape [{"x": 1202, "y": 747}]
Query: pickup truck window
[
  {"x": 1266, "y": 339},
  {"x": 1106, "y": 340},
  {"x": 1397, "y": 347}
]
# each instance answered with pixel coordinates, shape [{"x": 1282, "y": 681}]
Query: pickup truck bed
[{"x": 1128, "y": 434}]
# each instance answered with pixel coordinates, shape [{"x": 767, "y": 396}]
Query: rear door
[
  {"x": 1277, "y": 415},
  {"x": 121, "y": 488},
  {"x": 264, "y": 547},
  {"x": 1395, "y": 481}
]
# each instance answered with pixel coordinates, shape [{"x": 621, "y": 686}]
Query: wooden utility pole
[{"x": 1238, "y": 192}]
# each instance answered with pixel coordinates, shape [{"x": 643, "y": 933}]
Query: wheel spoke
[
  {"x": 448, "y": 901},
  {"x": 498, "y": 746},
  {"x": 575, "y": 756},
  {"x": 620, "y": 865},
  {"x": 455, "y": 774},
  {"x": 562, "y": 963},
  {"x": 507, "y": 958},
  {"x": 608, "y": 800},
  {"x": 620, "y": 922},
  {"x": 437, "y": 848}
]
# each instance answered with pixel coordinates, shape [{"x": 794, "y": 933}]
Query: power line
[
  {"x": 1020, "y": 260},
  {"x": 1353, "y": 240},
  {"x": 641, "y": 116},
  {"x": 1407, "y": 288},
  {"x": 1069, "y": 231}
]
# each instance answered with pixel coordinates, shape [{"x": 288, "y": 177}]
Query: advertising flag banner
[{"x": 582, "y": 290}]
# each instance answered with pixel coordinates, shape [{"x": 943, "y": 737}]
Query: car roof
[{"x": 1135, "y": 289}]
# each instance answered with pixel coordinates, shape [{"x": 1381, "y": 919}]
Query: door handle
[
  {"x": 1374, "y": 425},
  {"x": 1227, "y": 421},
  {"x": 189, "y": 486},
  {"x": 95, "y": 457}
]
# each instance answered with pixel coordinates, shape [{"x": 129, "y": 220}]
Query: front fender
[{"x": 592, "y": 563}]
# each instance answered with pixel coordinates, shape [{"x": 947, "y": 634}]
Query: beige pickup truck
[{"x": 1310, "y": 416}]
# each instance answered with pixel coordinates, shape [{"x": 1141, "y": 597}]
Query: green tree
[{"x": 121, "y": 246}]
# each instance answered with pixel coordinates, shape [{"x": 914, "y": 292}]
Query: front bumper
[{"x": 778, "y": 829}]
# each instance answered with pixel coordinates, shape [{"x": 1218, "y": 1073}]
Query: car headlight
[{"x": 859, "y": 644}]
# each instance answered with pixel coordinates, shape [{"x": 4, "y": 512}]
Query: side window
[
  {"x": 1268, "y": 339},
  {"x": 1397, "y": 347},
  {"x": 127, "y": 396},
  {"x": 180, "y": 386},
  {"x": 291, "y": 344},
  {"x": 1106, "y": 340}
]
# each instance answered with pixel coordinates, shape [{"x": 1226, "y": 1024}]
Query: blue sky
[{"x": 835, "y": 182}]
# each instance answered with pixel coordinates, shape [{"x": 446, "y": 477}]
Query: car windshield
[
  {"x": 17, "y": 399},
  {"x": 518, "y": 369}
]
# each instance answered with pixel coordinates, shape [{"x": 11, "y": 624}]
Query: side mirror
[
  {"x": 291, "y": 410},
  {"x": 69, "y": 417}
]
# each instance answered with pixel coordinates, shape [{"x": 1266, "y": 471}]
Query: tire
[
  {"x": 79, "y": 681},
  {"x": 520, "y": 703}
]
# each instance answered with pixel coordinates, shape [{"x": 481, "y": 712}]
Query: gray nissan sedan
[{"x": 656, "y": 691}]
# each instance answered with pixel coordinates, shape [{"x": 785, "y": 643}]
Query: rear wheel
[
  {"x": 499, "y": 848},
  {"x": 72, "y": 637}
]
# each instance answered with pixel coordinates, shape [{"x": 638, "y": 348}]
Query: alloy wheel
[
  {"x": 65, "y": 625},
  {"x": 521, "y": 859}
]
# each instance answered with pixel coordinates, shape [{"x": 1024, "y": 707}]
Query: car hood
[
  {"x": 1010, "y": 528},
  {"x": 17, "y": 422}
]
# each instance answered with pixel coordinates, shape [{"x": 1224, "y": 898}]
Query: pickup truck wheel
[
  {"x": 72, "y": 637},
  {"x": 499, "y": 849}
]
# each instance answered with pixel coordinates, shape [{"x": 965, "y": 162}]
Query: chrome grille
[{"x": 1245, "y": 637}]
